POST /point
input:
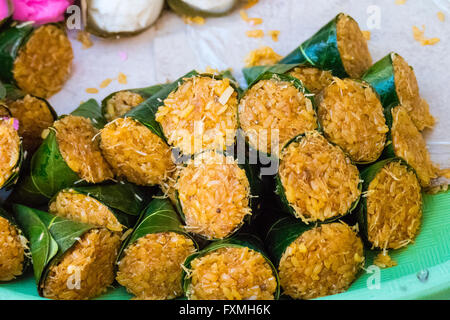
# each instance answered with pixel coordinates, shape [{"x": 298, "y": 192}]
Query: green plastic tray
[{"x": 423, "y": 270}]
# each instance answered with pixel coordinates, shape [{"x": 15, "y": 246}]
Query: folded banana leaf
[
  {"x": 146, "y": 111},
  {"x": 50, "y": 237},
  {"x": 183, "y": 8},
  {"x": 6, "y": 215},
  {"x": 14, "y": 175},
  {"x": 240, "y": 240},
  {"x": 49, "y": 171},
  {"x": 251, "y": 74},
  {"x": 125, "y": 200},
  {"x": 159, "y": 216},
  {"x": 12, "y": 93},
  {"x": 11, "y": 40},
  {"x": 145, "y": 93},
  {"x": 320, "y": 51},
  {"x": 381, "y": 77},
  {"x": 91, "y": 110},
  {"x": 284, "y": 203},
  {"x": 367, "y": 175}
]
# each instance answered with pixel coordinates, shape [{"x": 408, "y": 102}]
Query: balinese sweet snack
[
  {"x": 112, "y": 206},
  {"x": 118, "y": 103},
  {"x": 13, "y": 248},
  {"x": 200, "y": 113},
  {"x": 71, "y": 260},
  {"x": 352, "y": 117},
  {"x": 406, "y": 142},
  {"x": 37, "y": 60},
  {"x": 135, "y": 152},
  {"x": 391, "y": 207},
  {"x": 34, "y": 115},
  {"x": 214, "y": 195},
  {"x": 313, "y": 78},
  {"x": 111, "y": 18},
  {"x": 11, "y": 154},
  {"x": 315, "y": 260},
  {"x": 135, "y": 145},
  {"x": 70, "y": 154},
  {"x": 338, "y": 47},
  {"x": 316, "y": 181},
  {"x": 150, "y": 263},
  {"x": 202, "y": 8},
  {"x": 233, "y": 269},
  {"x": 395, "y": 82},
  {"x": 275, "y": 109}
]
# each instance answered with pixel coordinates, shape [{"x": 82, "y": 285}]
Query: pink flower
[
  {"x": 40, "y": 11},
  {"x": 4, "y": 9}
]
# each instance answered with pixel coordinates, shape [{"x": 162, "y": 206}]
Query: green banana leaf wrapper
[
  {"x": 146, "y": 111},
  {"x": 256, "y": 191},
  {"x": 381, "y": 77},
  {"x": 284, "y": 203},
  {"x": 240, "y": 240},
  {"x": 159, "y": 216},
  {"x": 125, "y": 200},
  {"x": 50, "y": 237},
  {"x": 281, "y": 232},
  {"x": 183, "y": 9},
  {"x": 367, "y": 175},
  {"x": 91, "y": 110},
  {"x": 14, "y": 177},
  {"x": 49, "y": 172},
  {"x": 6, "y": 215},
  {"x": 252, "y": 74},
  {"x": 320, "y": 51},
  {"x": 12, "y": 38},
  {"x": 145, "y": 93}
]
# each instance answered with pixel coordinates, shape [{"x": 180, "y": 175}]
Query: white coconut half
[
  {"x": 121, "y": 16},
  {"x": 211, "y": 6}
]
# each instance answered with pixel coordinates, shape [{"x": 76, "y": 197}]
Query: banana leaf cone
[
  {"x": 361, "y": 213},
  {"x": 131, "y": 98},
  {"x": 381, "y": 77},
  {"x": 22, "y": 260},
  {"x": 11, "y": 174},
  {"x": 239, "y": 240},
  {"x": 287, "y": 208},
  {"x": 49, "y": 171},
  {"x": 51, "y": 239},
  {"x": 124, "y": 201},
  {"x": 159, "y": 228},
  {"x": 183, "y": 8},
  {"x": 146, "y": 111},
  {"x": 322, "y": 51},
  {"x": 254, "y": 198},
  {"x": 34, "y": 114},
  {"x": 24, "y": 64}
]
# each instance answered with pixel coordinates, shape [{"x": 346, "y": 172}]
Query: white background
[{"x": 171, "y": 48}]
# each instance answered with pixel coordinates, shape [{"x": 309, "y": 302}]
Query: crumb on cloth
[
  {"x": 262, "y": 56},
  {"x": 419, "y": 36}
]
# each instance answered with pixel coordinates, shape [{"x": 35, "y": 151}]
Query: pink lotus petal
[
  {"x": 4, "y": 9},
  {"x": 40, "y": 11}
]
